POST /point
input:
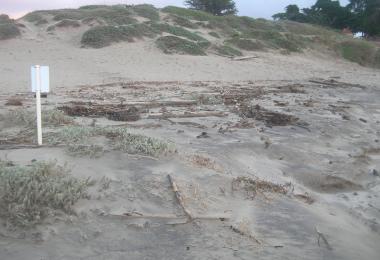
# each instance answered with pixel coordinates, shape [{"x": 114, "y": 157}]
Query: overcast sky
[{"x": 254, "y": 8}]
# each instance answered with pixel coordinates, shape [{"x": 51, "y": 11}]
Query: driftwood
[
  {"x": 136, "y": 215},
  {"x": 335, "y": 83},
  {"x": 240, "y": 232},
  {"x": 320, "y": 235},
  {"x": 179, "y": 198},
  {"x": 187, "y": 115},
  {"x": 244, "y": 58}
]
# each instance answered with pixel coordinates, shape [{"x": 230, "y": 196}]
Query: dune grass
[
  {"x": 102, "y": 36},
  {"x": 360, "y": 51},
  {"x": 27, "y": 119},
  {"x": 188, "y": 13},
  {"x": 173, "y": 44},
  {"x": 77, "y": 140},
  {"x": 146, "y": 11},
  {"x": 29, "y": 194},
  {"x": 119, "y": 23}
]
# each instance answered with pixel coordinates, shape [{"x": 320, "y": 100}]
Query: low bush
[
  {"x": 8, "y": 28},
  {"x": 147, "y": 11},
  {"x": 102, "y": 36},
  {"x": 77, "y": 139},
  {"x": 359, "y": 51},
  {"x": 188, "y": 13},
  {"x": 172, "y": 44},
  {"x": 28, "y": 194}
]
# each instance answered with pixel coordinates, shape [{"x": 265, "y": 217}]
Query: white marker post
[
  {"x": 40, "y": 83},
  {"x": 38, "y": 104}
]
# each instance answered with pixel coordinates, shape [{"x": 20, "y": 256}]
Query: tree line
[{"x": 359, "y": 15}]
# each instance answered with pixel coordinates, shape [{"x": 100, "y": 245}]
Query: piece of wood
[
  {"x": 164, "y": 216},
  {"x": 320, "y": 235},
  {"x": 244, "y": 58},
  {"x": 179, "y": 197},
  {"x": 187, "y": 115},
  {"x": 335, "y": 83}
]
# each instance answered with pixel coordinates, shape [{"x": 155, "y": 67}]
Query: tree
[
  {"x": 367, "y": 16},
  {"x": 323, "y": 12},
  {"x": 331, "y": 13},
  {"x": 292, "y": 13},
  {"x": 216, "y": 7}
]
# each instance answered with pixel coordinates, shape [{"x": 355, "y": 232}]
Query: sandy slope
[{"x": 71, "y": 65}]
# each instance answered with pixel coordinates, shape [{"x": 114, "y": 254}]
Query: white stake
[{"x": 38, "y": 105}]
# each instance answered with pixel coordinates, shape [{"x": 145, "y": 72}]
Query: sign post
[
  {"x": 38, "y": 104},
  {"x": 40, "y": 83}
]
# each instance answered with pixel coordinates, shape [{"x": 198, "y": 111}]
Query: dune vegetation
[{"x": 185, "y": 31}]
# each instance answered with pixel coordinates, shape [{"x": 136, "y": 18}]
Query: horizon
[{"x": 256, "y": 9}]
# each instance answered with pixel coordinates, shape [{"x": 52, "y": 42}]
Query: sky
[{"x": 253, "y": 8}]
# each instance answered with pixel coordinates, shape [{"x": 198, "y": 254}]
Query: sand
[{"x": 328, "y": 155}]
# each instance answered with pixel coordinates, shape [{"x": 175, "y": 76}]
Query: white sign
[{"x": 44, "y": 78}]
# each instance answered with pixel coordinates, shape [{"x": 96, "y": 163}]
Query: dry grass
[
  {"x": 29, "y": 194},
  {"x": 172, "y": 44},
  {"x": 253, "y": 187},
  {"x": 79, "y": 141},
  {"x": 124, "y": 141},
  {"x": 205, "y": 162},
  {"x": 27, "y": 119}
]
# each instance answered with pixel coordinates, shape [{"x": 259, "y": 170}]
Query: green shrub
[
  {"x": 4, "y": 19},
  {"x": 77, "y": 140},
  {"x": 172, "y": 44},
  {"x": 358, "y": 51},
  {"x": 124, "y": 141},
  {"x": 246, "y": 44},
  {"x": 28, "y": 194},
  {"x": 9, "y": 31},
  {"x": 89, "y": 7},
  {"x": 226, "y": 50},
  {"x": 306, "y": 29},
  {"x": 376, "y": 62},
  {"x": 8, "y": 28},
  {"x": 277, "y": 40},
  {"x": 25, "y": 118},
  {"x": 112, "y": 15},
  {"x": 188, "y": 13},
  {"x": 71, "y": 14},
  {"x": 34, "y": 17},
  {"x": 122, "y": 20},
  {"x": 102, "y": 36},
  {"x": 147, "y": 11}
]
